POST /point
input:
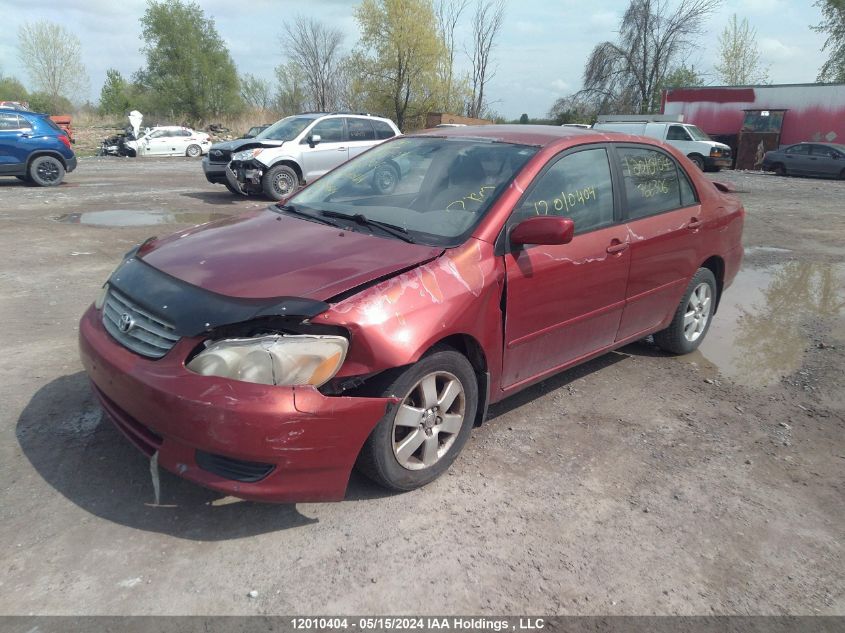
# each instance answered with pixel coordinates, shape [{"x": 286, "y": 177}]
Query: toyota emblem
[{"x": 125, "y": 323}]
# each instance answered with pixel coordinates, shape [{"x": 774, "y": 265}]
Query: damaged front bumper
[
  {"x": 267, "y": 443},
  {"x": 245, "y": 176}
]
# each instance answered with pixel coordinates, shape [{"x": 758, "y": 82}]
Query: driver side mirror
[
  {"x": 543, "y": 230},
  {"x": 314, "y": 139}
]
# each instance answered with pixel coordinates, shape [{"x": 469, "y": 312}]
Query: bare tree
[
  {"x": 52, "y": 57},
  {"x": 314, "y": 48},
  {"x": 653, "y": 39},
  {"x": 448, "y": 12},
  {"x": 256, "y": 92},
  {"x": 487, "y": 22},
  {"x": 290, "y": 95},
  {"x": 739, "y": 58}
]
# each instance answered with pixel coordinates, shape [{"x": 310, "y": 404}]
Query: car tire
[
  {"x": 418, "y": 439},
  {"x": 279, "y": 182},
  {"x": 193, "y": 151},
  {"x": 385, "y": 179},
  {"x": 697, "y": 160},
  {"x": 693, "y": 316},
  {"x": 779, "y": 169},
  {"x": 46, "y": 171}
]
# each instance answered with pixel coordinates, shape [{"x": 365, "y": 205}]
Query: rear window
[{"x": 52, "y": 124}]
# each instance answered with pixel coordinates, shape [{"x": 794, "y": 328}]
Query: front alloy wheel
[
  {"x": 421, "y": 436},
  {"x": 428, "y": 421}
]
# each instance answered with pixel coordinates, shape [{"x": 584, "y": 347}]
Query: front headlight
[
  {"x": 247, "y": 154},
  {"x": 276, "y": 359}
]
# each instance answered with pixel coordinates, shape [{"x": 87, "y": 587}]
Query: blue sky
[{"x": 540, "y": 56}]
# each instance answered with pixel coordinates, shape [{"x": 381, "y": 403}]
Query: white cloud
[{"x": 773, "y": 48}]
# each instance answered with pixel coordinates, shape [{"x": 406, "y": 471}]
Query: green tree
[
  {"x": 189, "y": 70},
  {"x": 12, "y": 90},
  {"x": 739, "y": 57},
  {"x": 114, "y": 96},
  {"x": 398, "y": 55},
  {"x": 43, "y": 102},
  {"x": 832, "y": 25},
  {"x": 682, "y": 76},
  {"x": 523, "y": 119},
  {"x": 52, "y": 56}
]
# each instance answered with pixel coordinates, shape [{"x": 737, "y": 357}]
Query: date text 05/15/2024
[{"x": 418, "y": 623}]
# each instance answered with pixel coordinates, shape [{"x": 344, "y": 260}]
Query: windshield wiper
[
  {"x": 289, "y": 208},
  {"x": 360, "y": 218}
]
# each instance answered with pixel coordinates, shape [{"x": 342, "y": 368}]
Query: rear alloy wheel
[
  {"x": 46, "y": 171},
  {"x": 692, "y": 317},
  {"x": 279, "y": 182},
  {"x": 697, "y": 160},
  {"x": 780, "y": 169},
  {"x": 193, "y": 151},
  {"x": 420, "y": 438}
]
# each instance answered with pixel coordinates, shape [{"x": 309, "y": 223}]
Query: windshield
[
  {"x": 287, "y": 129},
  {"x": 697, "y": 135},
  {"x": 434, "y": 189}
]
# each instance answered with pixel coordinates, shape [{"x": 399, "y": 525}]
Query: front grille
[
  {"x": 219, "y": 156},
  {"x": 230, "y": 468},
  {"x": 137, "y": 329}
]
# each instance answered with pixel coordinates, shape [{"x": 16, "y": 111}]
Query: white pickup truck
[{"x": 706, "y": 153}]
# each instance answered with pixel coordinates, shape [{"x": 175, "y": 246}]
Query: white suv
[{"x": 298, "y": 150}]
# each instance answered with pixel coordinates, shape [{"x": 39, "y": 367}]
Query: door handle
[
  {"x": 341, "y": 149},
  {"x": 694, "y": 223},
  {"x": 617, "y": 247}
]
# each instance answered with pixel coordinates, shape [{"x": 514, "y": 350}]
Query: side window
[
  {"x": 803, "y": 148},
  {"x": 156, "y": 134},
  {"x": 578, "y": 186},
  {"x": 383, "y": 130},
  {"x": 360, "y": 130},
  {"x": 651, "y": 181},
  {"x": 329, "y": 130},
  {"x": 677, "y": 133},
  {"x": 9, "y": 122}
]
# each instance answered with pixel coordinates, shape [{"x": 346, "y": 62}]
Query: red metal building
[{"x": 774, "y": 115}]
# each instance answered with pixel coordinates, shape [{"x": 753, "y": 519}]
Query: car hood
[
  {"x": 265, "y": 254},
  {"x": 240, "y": 143}
]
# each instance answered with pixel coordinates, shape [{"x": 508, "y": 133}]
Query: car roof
[
  {"x": 541, "y": 135},
  {"x": 20, "y": 111}
]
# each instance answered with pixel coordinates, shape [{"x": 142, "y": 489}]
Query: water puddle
[
  {"x": 757, "y": 337},
  {"x": 138, "y": 217}
]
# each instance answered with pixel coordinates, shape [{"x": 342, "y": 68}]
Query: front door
[
  {"x": 331, "y": 151},
  {"x": 565, "y": 301},
  {"x": 798, "y": 159}
]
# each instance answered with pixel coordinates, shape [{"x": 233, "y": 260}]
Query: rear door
[
  {"x": 826, "y": 160},
  {"x": 664, "y": 219},
  {"x": 565, "y": 301},
  {"x": 331, "y": 151}
]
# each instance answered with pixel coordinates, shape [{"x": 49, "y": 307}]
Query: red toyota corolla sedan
[{"x": 372, "y": 317}]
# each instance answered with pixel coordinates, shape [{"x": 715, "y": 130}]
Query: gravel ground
[{"x": 635, "y": 484}]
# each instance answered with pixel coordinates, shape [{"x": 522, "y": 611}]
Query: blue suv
[{"x": 33, "y": 148}]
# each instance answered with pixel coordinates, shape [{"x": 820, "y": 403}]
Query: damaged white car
[{"x": 169, "y": 141}]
